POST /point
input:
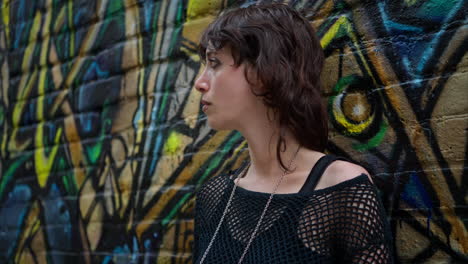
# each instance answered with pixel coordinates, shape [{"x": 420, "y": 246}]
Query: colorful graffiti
[{"x": 103, "y": 142}]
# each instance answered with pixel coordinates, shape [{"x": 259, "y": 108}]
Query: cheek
[
  {"x": 234, "y": 85},
  {"x": 233, "y": 97},
  {"x": 228, "y": 88},
  {"x": 236, "y": 98}
]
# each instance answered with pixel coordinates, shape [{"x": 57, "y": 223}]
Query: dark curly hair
[{"x": 282, "y": 49}]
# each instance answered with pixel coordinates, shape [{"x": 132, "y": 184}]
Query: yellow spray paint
[
  {"x": 132, "y": 28},
  {"x": 32, "y": 226},
  {"x": 199, "y": 14},
  {"x": 173, "y": 144},
  {"x": 201, "y": 7},
  {"x": 70, "y": 24},
  {"x": 44, "y": 162},
  {"x": 343, "y": 24},
  {"x": 342, "y": 120},
  {"x": 410, "y": 2},
  {"x": 6, "y": 18},
  {"x": 26, "y": 83},
  {"x": 19, "y": 106}
]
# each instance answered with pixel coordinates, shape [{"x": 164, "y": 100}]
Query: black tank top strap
[
  {"x": 234, "y": 174},
  {"x": 317, "y": 171}
]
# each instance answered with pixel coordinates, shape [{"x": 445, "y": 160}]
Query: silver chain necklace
[{"x": 261, "y": 216}]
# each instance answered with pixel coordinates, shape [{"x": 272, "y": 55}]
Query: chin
[
  {"x": 215, "y": 125},
  {"x": 219, "y": 124}
]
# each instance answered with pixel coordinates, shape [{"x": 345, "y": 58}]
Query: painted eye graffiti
[{"x": 355, "y": 111}]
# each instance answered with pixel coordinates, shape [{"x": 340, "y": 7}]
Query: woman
[{"x": 291, "y": 203}]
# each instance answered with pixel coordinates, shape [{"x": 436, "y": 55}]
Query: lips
[
  {"x": 205, "y": 105},
  {"x": 205, "y": 102}
]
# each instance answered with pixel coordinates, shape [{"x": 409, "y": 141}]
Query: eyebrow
[{"x": 211, "y": 52}]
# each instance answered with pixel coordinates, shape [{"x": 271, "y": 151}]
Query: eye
[{"x": 213, "y": 62}]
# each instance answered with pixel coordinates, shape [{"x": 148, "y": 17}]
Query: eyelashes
[{"x": 213, "y": 63}]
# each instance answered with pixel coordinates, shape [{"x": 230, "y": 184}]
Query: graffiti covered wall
[{"x": 102, "y": 140}]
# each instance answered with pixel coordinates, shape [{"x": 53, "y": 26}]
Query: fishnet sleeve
[
  {"x": 196, "y": 232},
  {"x": 207, "y": 198},
  {"x": 202, "y": 205},
  {"x": 360, "y": 229}
]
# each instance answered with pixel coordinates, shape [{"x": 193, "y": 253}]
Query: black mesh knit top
[{"x": 344, "y": 223}]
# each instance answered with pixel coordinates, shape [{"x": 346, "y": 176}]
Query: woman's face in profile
[{"x": 227, "y": 99}]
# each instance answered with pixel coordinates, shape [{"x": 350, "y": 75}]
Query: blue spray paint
[
  {"x": 416, "y": 196},
  {"x": 58, "y": 224},
  {"x": 12, "y": 215}
]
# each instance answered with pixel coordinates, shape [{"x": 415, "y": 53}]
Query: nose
[{"x": 201, "y": 83}]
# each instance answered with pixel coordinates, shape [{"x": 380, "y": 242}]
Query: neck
[{"x": 262, "y": 140}]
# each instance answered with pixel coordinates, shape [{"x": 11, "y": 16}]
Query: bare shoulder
[{"x": 341, "y": 171}]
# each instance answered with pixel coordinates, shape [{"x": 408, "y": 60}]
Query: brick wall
[{"x": 102, "y": 141}]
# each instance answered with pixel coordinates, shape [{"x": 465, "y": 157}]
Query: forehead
[{"x": 211, "y": 50}]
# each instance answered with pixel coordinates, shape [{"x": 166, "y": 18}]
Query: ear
[{"x": 272, "y": 114}]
